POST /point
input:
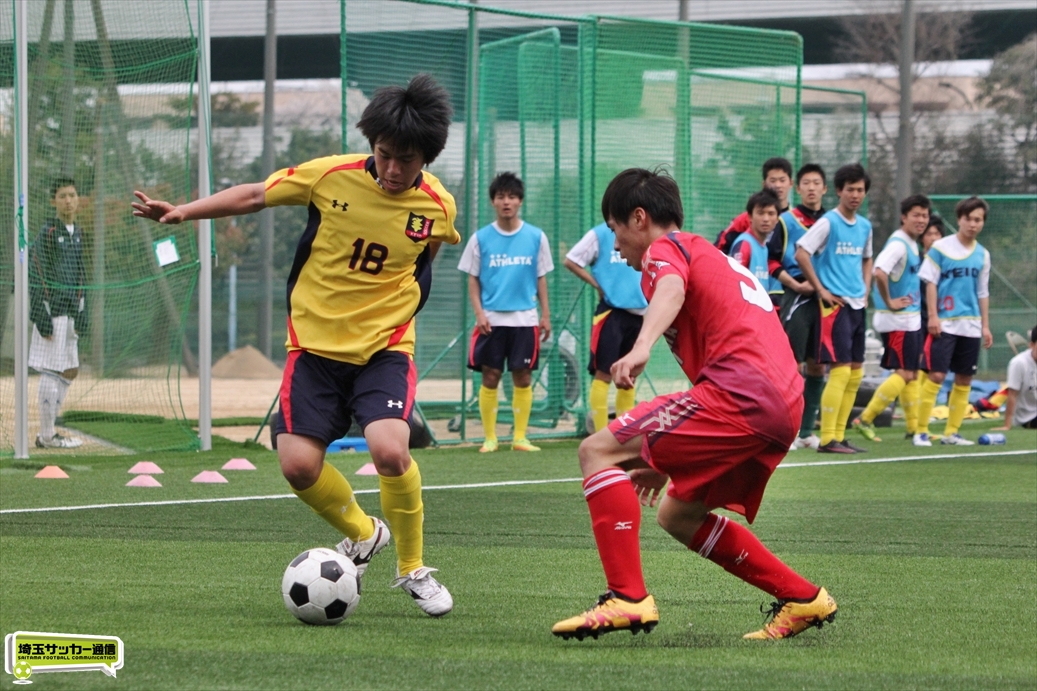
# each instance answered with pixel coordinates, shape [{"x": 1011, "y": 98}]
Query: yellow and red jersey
[{"x": 362, "y": 269}]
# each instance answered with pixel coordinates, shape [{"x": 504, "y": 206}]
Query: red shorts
[{"x": 707, "y": 458}]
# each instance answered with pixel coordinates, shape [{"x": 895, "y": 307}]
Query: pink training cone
[
  {"x": 146, "y": 468},
  {"x": 51, "y": 472},
  {"x": 238, "y": 464},
  {"x": 143, "y": 481},
  {"x": 210, "y": 476},
  {"x": 367, "y": 469}
]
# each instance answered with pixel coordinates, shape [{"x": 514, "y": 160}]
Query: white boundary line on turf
[{"x": 503, "y": 483}]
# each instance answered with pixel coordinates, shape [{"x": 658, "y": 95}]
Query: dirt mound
[{"x": 245, "y": 363}]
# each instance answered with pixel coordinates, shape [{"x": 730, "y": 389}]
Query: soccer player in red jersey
[{"x": 716, "y": 444}]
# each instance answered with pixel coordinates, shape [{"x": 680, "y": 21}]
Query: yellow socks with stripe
[
  {"x": 884, "y": 395},
  {"x": 488, "y": 411},
  {"x": 404, "y": 512},
  {"x": 331, "y": 497},
  {"x": 625, "y": 400},
  {"x": 832, "y": 401},
  {"x": 599, "y": 400},
  {"x": 958, "y": 403},
  {"x": 846, "y": 408},
  {"x": 909, "y": 402},
  {"x": 521, "y": 404},
  {"x": 925, "y": 405}
]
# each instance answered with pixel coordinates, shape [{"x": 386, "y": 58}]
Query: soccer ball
[
  {"x": 22, "y": 670},
  {"x": 321, "y": 587}
]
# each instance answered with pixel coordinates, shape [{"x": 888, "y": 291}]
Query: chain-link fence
[
  {"x": 566, "y": 103},
  {"x": 109, "y": 101}
]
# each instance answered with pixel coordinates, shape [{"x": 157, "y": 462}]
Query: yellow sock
[
  {"x": 998, "y": 399},
  {"x": 600, "y": 404},
  {"x": 846, "y": 407},
  {"x": 909, "y": 402},
  {"x": 832, "y": 401},
  {"x": 925, "y": 405},
  {"x": 404, "y": 512},
  {"x": 331, "y": 497},
  {"x": 521, "y": 403},
  {"x": 958, "y": 402},
  {"x": 884, "y": 395},
  {"x": 625, "y": 400},
  {"x": 488, "y": 411}
]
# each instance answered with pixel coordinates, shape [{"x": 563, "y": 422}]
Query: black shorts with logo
[
  {"x": 799, "y": 317},
  {"x": 613, "y": 332},
  {"x": 320, "y": 397},
  {"x": 902, "y": 349},
  {"x": 950, "y": 353},
  {"x": 518, "y": 345},
  {"x": 841, "y": 335}
]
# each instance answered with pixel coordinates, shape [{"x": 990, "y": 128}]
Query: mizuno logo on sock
[
  {"x": 742, "y": 557},
  {"x": 624, "y": 525}
]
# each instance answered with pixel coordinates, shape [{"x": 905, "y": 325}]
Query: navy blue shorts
[
  {"x": 518, "y": 345},
  {"x": 902, "y": 349},
  {"x": 320, "y": 397},
  {"x": 950, "y": 353},
  {"x": 841, "y": 335},
  {"x": 613, "y": 332}
]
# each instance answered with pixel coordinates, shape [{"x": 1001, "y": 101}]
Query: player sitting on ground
[
  {"x": 506, "y": 263},
  {"x": 717, "y": 444},
  {"x": 617, "y": 319},
  {"x": 841, "y": 243},
  {"x": 777, "y": 177},
  {"x": 799, "y": 311},
  {"x": 362, "y": 271},
  {"x": 897, "y": 309},
  {"x": 1021, "y": 389},
  {"x": 957, "y": 271},
  {"x": 750, "y": 248}
]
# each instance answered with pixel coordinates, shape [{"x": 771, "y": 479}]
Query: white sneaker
[
  {"x": 921, "y": 440},
  {"x": 956, "y": 440},
  {"x": 360, "y": 553},
  {"x": 58, "y": 442},
  {"x": 811, "y": 442},
  {"x": 431, "y": 595}
]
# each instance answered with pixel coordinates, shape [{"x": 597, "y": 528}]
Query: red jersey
[
  {"x": 739, "y": 224},
  {"x": 726, "y": 338}
]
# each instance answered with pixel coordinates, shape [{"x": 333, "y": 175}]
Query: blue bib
[
  {"x": 959, "y": 280},
  {"x": 508, "y": 268},
  {"x": 757, "y": 261},
  {"x": 904, "y": 285},
  {"x": 620, "y": 282},
  {"x": 839, "y": 264},
  {"x": 794, "y": 230}
]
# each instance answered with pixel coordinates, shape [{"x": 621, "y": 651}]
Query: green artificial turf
[{"x": 933, "y": 563}]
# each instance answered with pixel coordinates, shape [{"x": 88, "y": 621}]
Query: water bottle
[{"x": 992, "y": 439}]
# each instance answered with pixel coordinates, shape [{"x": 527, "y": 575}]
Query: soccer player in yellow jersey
[{"x": 361, "y": 273}]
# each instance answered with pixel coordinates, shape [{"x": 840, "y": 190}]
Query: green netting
[
  {"x": 834, "y": 131},
  {"x": 566, "y": 103},
  {"x": 1009, "y": 237},
  {"x": 110, "y": 103}
]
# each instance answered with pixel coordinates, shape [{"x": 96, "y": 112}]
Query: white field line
[{"x": 505, "y": 483}]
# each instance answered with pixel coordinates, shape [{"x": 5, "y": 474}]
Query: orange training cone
[{"x": 52, "y": 472}]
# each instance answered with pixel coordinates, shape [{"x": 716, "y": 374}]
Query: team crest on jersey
[{"x": 418, "y": 227}]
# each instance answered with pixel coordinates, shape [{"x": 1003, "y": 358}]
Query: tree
[{"x": 1011, "y": 90}]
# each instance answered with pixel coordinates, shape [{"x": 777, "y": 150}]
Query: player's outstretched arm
[
  {"x": 233, "y": 201},
  {"x": 662, "y": 310}
]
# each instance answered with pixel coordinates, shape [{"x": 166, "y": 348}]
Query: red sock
[
  {"x": 737, "y": 551},
  {"x": 616, "y": 517}
]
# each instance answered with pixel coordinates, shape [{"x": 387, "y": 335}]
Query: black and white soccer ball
[{"x": 321, "y": 587}]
